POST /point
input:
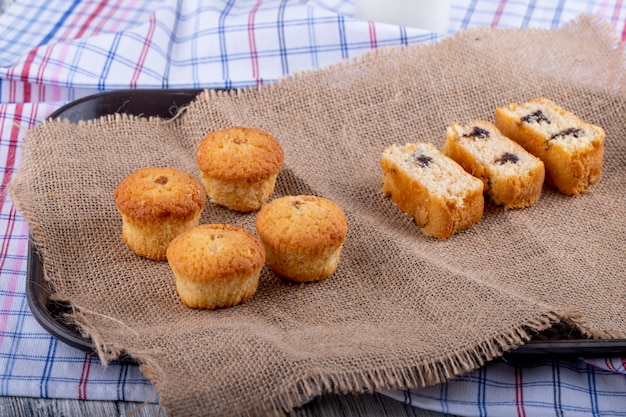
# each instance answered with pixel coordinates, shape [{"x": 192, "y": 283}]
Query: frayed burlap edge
[
  {"x": 411, "y": 376},
  {"x": 419, "y": 375}
]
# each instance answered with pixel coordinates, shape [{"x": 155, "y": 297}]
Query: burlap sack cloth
[{"x": 402, "y": 310}]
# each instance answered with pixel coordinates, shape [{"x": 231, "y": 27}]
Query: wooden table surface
[{"x": 364, "y": 405}]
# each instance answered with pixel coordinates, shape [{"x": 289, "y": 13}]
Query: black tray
[{"x": 560, "y": 341}]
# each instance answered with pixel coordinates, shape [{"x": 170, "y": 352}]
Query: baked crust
[
  {"x": 571, "y": 149},
  {"x": 157, "y": 204},
  {"x": 512, "y": 176},
  {"x": 215, "y": 265},
  {"x": 303, "y": 236},
  {"x": 156, "y": 193},
  {"x": 239, "y": 154},
  {"x": 431, "y": 188},
  {"x": 239, "y": 167}
]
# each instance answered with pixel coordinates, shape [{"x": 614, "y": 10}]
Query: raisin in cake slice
[
  {"x": 571, "y": 149},
  {"x": 513, "y": 177},
  {"x": 431, "y": 188}
]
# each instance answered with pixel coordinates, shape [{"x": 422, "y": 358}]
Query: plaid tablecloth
[{"x": 56, "y": 51}]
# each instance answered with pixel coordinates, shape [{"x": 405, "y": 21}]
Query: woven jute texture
[{"x": 402, "y": 310}]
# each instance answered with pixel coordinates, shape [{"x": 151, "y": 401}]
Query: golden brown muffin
[
  {"x": 431, "y": 188},
  {"x": 215, "y": 265},
  {"x": 571, "y": 149},
  {"x": 239, "y": 167},
  {"x": 303, "y": 236},
  {"x": 156, "y": 205},
  {"x": 512, "y": 177}
]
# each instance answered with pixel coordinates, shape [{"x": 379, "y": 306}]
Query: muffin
[
  {"x": 215, "y": 265},
  {"x": 432, "y": 189},
  {"x": 239, "y": 167},
  {"x": 303, "y": 236},
  {"x": 571, "y": 149},
  {"x": 156, "y": 205},
  {"x": 512, "y": 177}
]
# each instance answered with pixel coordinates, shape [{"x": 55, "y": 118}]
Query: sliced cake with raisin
[
  {"x": 431, "y": 188},
  {"x": 571, "y": 149},
  {"x": 513, "y": 177}
]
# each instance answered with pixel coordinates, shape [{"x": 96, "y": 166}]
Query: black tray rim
[
  {"x": 38, "y": 290},
  {"x": 132, "y": 102}
]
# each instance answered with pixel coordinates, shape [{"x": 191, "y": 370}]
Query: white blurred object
[
  {"x": 432, "y": 15},
  {"x": 4, "y": 4}
]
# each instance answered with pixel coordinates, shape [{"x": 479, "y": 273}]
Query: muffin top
[
  {"x": 215, "y": 252},
  {"x": 155, "y": 193},
  {"x": 304, "y": 224},
  {"x": 239, "y": 153}
]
